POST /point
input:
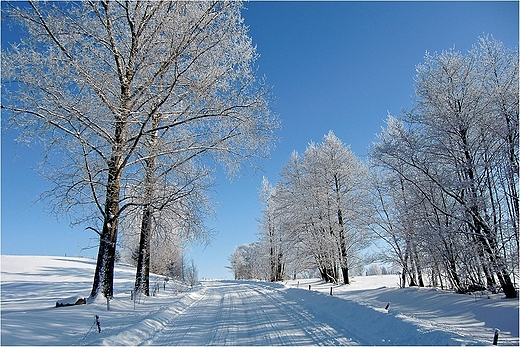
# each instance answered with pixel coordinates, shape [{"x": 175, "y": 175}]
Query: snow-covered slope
[
  {"x": 246, "y": 313},
  {"x": 472, "y": 319}
]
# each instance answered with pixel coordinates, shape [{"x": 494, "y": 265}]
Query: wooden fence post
[
  {"x": 98, "y": 324},
  {"x": 495, "y": 338}
]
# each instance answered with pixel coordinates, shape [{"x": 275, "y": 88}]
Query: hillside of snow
[{"x": 240, "y": 312}]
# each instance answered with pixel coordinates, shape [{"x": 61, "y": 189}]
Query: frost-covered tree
[
  {"x": 318, "y": 215},
  {"x": 249, "y": 262},
  {"x": 344, "y": 178},
  {"x": 93, "y": 80},
  {"x": 456, "y": 152},
  {"x": 191, "y": 273},
  {"x": 272, "y": 232},
  {"x": 174, "y": 202}
]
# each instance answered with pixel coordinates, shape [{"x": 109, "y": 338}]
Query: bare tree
[
  {"x": 456, "y": 153},
  {"x": 249, "y": 262},
  {"x": 99, "y": 77},
  {"x": 271, "y": 231},
  {"x": 318, "y": 211},
  {"x": 346, "y": 179},
  {"x": 175, "y": 208},
  {"x": 191, "y": 273}
]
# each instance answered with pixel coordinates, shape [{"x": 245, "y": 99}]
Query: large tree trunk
[
  {"x": 142, "y": 276},
  {"x": 487, "y": 239},
  {"x": 485, "y": 234},
  {"x": 342, "y": 239},
  {"x": 104, "y": 274},
  {"x": 451, "y": 268}
]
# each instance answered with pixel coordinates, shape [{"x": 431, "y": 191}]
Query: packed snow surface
[{"x": 240, "y": 312}]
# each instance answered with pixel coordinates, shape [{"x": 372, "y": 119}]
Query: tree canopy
[{"x": 97, "y": 82}]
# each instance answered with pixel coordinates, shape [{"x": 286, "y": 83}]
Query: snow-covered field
[{"x": 240, "y": 312}]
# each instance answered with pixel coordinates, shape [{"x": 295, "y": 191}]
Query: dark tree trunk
[
  {"x": 142, "y": 277},
  {"x": 344, "y": 271},
  {"x": 100, "y": 264},
  {"x": 417, "y": 266},
  {"x": 323, "y": 273},
  {"x": 343, "y": 250},
  {"x": 272, "y": 263},
  {"x": 490, "y": 279},
  {"x": 342, "y": 238},
  {"x": 485, "y": 234},
  {"x": 453, "y": 275},
  {"x": 104, "y": 274},
  {"x": 405, "y": 266},
  {"x": 507, "y": 286},
  {"x": 487, "y": 239}
]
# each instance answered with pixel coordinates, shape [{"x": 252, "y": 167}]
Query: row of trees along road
[
  {"x": 315, "y": 217},
  {"x": 134, "y": 102},
  {"x": 441, "y": 187}
]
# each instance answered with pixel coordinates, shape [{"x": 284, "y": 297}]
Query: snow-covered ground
[{"x": 240, "y": 312}]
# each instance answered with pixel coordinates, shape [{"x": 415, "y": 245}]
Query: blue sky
[{"x": 340, "y": 66}]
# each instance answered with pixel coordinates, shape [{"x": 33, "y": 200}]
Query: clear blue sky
[{"x": 338, "y": 66}]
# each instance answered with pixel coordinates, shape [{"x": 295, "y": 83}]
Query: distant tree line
[{"x": 440, "y": 187}]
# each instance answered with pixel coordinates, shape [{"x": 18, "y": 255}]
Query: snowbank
[
  {"x": 31, "y": 286},
  {"x": 473, "y": 319}
]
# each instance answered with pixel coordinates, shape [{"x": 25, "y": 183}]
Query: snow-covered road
[
  {"x": 231, "y": 313},
  {"x": 240, "y": 312}
]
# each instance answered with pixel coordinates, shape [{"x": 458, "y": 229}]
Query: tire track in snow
[
  {"x": 319, "y": 332},
  {"x": 236, "y": 313},
  {"x": 270, "y": 327},
  {"x": 137, "y": 332},
  {"x": 192, "y": 326}
]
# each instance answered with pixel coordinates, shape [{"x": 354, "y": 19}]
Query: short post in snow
[
  {"x": 387, "y": 306},
  {"x": 495, "y": 338},
  {"x": 98, "y": 324},
  {"x": 309, "y": 287},
  {"x": 330, "y": 291}
]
